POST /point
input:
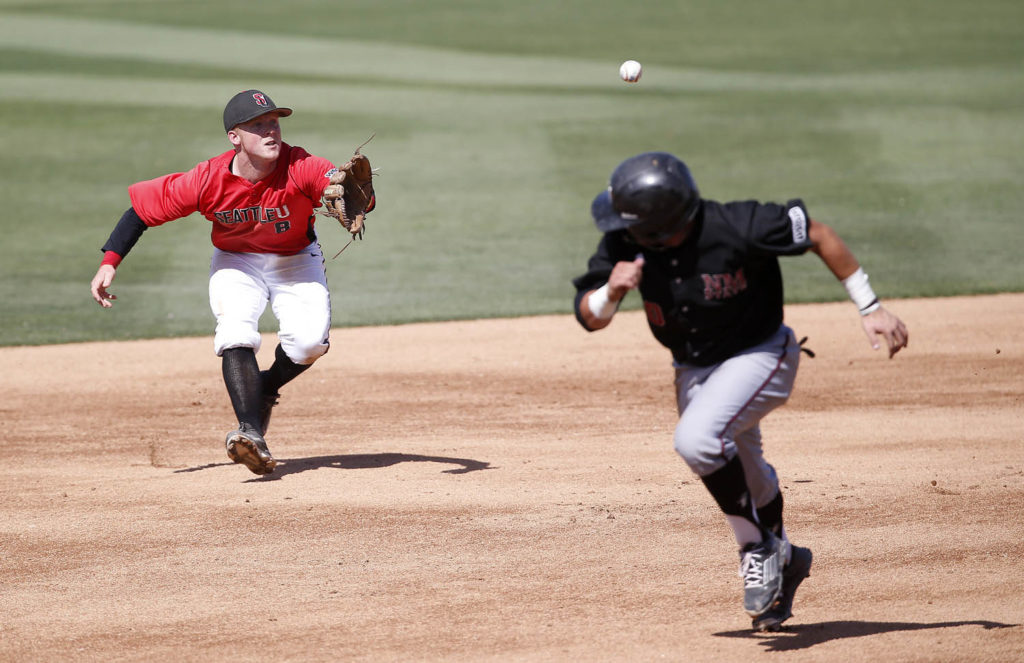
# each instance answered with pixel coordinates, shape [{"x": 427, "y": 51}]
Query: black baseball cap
[{"x": 246, "y": 105}]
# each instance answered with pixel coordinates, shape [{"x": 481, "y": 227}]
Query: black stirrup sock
[
  {"x": 283, "y": 371},
  {"x": 728, "y": 485},
  {"x": 242, "y": 378},
  {"x": 770, "y": 515}
]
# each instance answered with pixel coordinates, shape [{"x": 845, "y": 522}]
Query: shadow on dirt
[
  {"x": 803, "y": 636},
  {"x": 357, "y": 462}
]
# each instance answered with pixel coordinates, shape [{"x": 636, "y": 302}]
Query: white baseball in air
[{"x": 630, "y": 71}]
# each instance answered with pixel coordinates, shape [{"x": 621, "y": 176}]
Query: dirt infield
[{"x": 507, "y": 490}]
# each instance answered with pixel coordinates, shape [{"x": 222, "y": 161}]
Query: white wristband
[
  {"x": 601, "y": 307},
  {"x": 860, "y": 292}
]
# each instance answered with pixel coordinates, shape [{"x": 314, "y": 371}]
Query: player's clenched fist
[
  {"x": 104, "y": 277},
  {"x": 598, "y": 306},
  {"x": 625, "y": 276}
]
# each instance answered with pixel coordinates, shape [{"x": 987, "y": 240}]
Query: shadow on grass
[
  {"x": 804, "y": 636},
  {"x": 357, "y": 462}
]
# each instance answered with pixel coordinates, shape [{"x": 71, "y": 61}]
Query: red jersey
[{"x": 274, "y": 215}]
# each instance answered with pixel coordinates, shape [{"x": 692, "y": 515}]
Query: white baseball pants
[{"x": 241, "y": 284}]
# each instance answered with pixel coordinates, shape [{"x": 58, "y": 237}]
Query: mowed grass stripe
[
  {"x": 396, "y": 63},
  {"x": 381, "y": 61}
]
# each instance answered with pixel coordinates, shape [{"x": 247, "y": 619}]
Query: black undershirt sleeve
[{"x": 127, "y": 231}]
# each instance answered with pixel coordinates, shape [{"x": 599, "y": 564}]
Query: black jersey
[{"x": 721, "y": 290}]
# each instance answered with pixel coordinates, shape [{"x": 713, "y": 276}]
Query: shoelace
[{"x": 752, "y": 569}]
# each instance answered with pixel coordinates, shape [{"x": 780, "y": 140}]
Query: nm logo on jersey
[{"x": 724, "y": 286}]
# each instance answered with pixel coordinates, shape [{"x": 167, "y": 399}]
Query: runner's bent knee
[{"x": 702, "y": 450}]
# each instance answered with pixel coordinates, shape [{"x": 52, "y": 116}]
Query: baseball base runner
[{"x": 711, "y": 285}]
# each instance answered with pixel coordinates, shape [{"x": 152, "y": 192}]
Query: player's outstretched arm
[
  {"x": 875, "y": 319},
  {"x": 104, "y": 277},
  {"x": 124, "y": 236},
  {"x": 832, "y": 250}
]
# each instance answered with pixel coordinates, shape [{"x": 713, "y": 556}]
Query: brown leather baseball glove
[{"x": 349, "y": 195}]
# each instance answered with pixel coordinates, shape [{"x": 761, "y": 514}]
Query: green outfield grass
[{"x": 899, "y": 123}]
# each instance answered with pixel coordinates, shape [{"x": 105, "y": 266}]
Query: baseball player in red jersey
[{"x": 260, "y": 198}]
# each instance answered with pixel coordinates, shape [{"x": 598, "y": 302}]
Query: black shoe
[
  {"x": 799, "y": 567},
  {"x": 248, "y": 447}
]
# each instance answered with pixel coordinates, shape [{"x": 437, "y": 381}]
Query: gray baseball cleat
[
  {"x": 266, "y": 407},
  {"x": 761, "y": 570},
  {"x": 799, "y": 567},
  {"x": 248, "y": 447}
]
